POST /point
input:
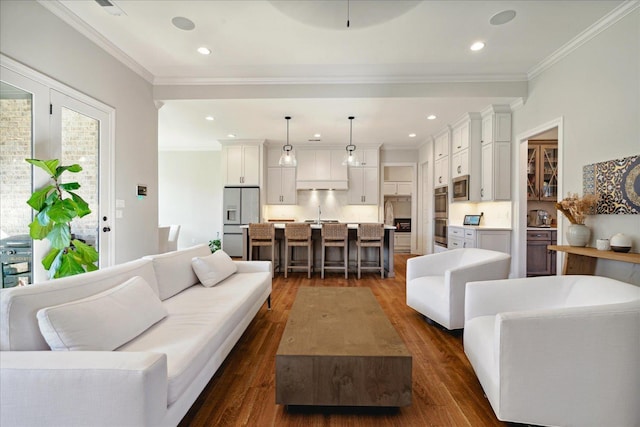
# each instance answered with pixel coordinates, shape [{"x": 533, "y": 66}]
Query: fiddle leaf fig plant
[{"x": 55, "y": 212}]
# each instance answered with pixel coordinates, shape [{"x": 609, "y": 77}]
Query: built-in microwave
[
  {"x": 440, "y": 202},
  {"x": 460, "y": 188}
]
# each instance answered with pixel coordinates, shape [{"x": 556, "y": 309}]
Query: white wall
[
  {"x": 596, "y": 90},
  {"x": 35, "y": 37},
  {"x": 191, "y": 187}
]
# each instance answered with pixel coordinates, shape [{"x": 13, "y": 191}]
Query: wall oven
[
  {"x": 440, "y": 202},
  {"x": 440, "y": 232},
  {"x": 460, "y": 186}
]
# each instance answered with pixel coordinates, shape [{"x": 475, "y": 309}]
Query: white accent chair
[
  {"x": 436, "y": 282},
  {"x": 558, "y": 350}
]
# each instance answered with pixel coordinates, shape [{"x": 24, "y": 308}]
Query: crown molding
[
  {"x": 73, "y": 20},
  {"x": 517, "y": 104},
  {"x": 193, "y": 148},
  {"x": 248, "y": 81},
  {"x": 602, "y": 24}
]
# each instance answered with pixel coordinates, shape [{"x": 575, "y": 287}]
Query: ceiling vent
[{"x": 110, "y": 7}]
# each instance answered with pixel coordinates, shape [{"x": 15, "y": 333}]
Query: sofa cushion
[
  {"x": 202, "y": 322},
  {"x": 19, "y": 329},
  {"x": 104, "y": 321},
  {"x": 214, "y": 268},
  {"x": 173, "y": 270}
]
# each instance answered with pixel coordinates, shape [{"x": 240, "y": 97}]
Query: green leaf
[
  {"x": 39, "y": 232},
  {"x": 71, "y": 168},
  {"x": 50, "y": 258},
  {"x": 60, "y": 236},
  {"x": 86, "y": 253},
  {"x": 63, "y": 211},
  {"x": 49, "y": 166},
  {"x": 69, "y": 266},
  {"x": 82, "y": 207},
  {"x": 43, "y": 216},
  {"x": 55, "y": 264},
  {"x": 37, "y": 199},
  {"x": 70, "y": 186}
]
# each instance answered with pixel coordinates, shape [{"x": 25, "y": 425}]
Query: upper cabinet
[
  {"x": 281, "y": 180},
  {"x": 396, "y": 188},
  {"x": 496, "y": 153},
  {"x": 241, "y": 164},
  {"x": 441, "y": 172},
  {"x": 441, "y": 144},
  {"x": 465, "y": 152},
  {"x": 542, "y": 170},
  {"x": 364, "y": 178},
  {"x": 321, "y": 169}
]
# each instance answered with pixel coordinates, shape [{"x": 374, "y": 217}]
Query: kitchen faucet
[{"x": 319, "y": 212}]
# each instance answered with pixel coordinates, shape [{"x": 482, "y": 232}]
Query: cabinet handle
[
  {"x": 459, "y": 167},
  {"x": 482, "y": 192},
  {"x": 440, "y": 180},
  {"x": 459, "y": 146}
]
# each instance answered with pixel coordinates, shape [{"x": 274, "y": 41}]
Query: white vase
[{"x": 578, "y": 235}]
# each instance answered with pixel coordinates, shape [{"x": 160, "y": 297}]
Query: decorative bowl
[{"x": 620, "y": 248}]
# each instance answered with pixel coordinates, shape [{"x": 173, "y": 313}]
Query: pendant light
[
  {"x": 350, "y": 158},
  {"x": 287, "y": 158}
]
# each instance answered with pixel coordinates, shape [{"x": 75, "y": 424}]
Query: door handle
[{"x": 106, "y": 229}]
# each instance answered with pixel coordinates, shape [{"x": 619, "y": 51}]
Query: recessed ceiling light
[
  {"x": 412, "y": 135},
  {"x": 477, "y": 46},
  {"x": 210, "y": 118},
  {"x": 316, "y": 135},
  {"x": 231, "y": 135},
  {"x": 431, "y": 117},
  {"x": 204, "y": 50},
  {"x": 502, "y": 17},
  {"x": 183, "y": 23}
]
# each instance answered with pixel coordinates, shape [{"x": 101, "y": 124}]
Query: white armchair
[
  {"x": 436, "y": 282},
  {"x": 559, "y": 350}
]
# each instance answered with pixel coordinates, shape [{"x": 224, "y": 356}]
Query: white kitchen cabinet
[
  {"x": 402, "y": 242},
  {"x": 460, "y": 137},
  {"x": 441, "y": 145},
  {"x": 367, "y": 157},
  {"x": 396, "y": 188},
  {"x": 241, "y": 164},
  {"x": 281, "y": 186},
  {"x": 363, "y": 186},
  {"x": 496, "y": 125},
  {"x": 441, "y": 172},
  {"x": 273, "y": 156},
  {"x": 460, "y": 163},
  {"x": 492, "y": 239},
  {"x": 496, "y": 171}
]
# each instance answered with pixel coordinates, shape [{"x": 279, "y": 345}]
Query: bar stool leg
[
  {"x": 309, "y": 261},
  {"x": 359, "y": 268},
  {"x": 346, "y": 258},
  {"x": 322, "y": 261},
  {"x": 286, "y": 258}
]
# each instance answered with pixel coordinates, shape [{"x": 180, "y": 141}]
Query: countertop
[
  {"x": 553, "y": 228},
  {"x": 479, "y": 227}
]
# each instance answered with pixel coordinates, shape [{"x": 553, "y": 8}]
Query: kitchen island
[{"x": 333, "y": 254}]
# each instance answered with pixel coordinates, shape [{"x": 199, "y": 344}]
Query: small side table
[{"x": 583, "y": 260}]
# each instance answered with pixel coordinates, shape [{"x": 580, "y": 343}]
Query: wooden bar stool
[
  {"x": 371, "y": 236},
  {"x": 263, "y": 234},
  {"x": 297, "y": 234},
  {"x": 335, "y": 236}
]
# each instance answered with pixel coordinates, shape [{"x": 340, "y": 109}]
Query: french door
[{"x": 44, "y": 119}]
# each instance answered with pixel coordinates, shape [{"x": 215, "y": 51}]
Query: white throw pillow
[
  {"x": 104, "y": 321},
  {"x": 214, "y": 268}
]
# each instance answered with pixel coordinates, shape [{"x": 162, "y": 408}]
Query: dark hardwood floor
[{"x": 445, "y": 389}]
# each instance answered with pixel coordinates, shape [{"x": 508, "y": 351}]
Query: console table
[{"x": 583, "y": 260}]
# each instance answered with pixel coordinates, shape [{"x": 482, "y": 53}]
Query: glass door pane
[
  {"x": 16, "y": 145},
  {"x": 80, "y": 142},
  {"x": 550, "y": 173},
  {"x": 532, "y": 173}
]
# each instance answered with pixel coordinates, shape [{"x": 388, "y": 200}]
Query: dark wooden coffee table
[{"x": 339, "y": 349}]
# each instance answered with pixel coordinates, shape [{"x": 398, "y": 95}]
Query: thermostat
[{"x": 141, "y": 191}]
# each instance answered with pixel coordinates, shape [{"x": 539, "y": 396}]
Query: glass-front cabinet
[{"x": 542, "y": 170}]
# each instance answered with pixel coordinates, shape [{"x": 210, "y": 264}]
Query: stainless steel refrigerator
[{"x": 241, "y": 207}]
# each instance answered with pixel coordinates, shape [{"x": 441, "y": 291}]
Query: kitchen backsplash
[
  {"x": 496, "y": 214},
  {"x": 333, "y": 203}
]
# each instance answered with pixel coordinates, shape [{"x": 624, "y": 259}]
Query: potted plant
[
  {"x": 215, "y": 244},
  {"x": 54, "y": 214}
]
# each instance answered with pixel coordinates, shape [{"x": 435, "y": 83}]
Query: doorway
[
  {"x": 521, "y": 214},
  {"x": 45, "y": 120}
]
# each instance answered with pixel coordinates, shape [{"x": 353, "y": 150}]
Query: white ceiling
[{"x": 392, "y": 46}]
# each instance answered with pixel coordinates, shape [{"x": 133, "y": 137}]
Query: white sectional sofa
[
  {"x": 557, "y": 351},
  {"x": 150, "y": 380}
]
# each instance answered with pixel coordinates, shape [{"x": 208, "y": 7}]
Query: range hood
[{"x": 321, "y": 169}]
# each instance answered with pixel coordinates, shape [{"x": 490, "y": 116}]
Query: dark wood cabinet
[
  {"x": 540, "y": 260},
  {"x": 542, "y": 170}
]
